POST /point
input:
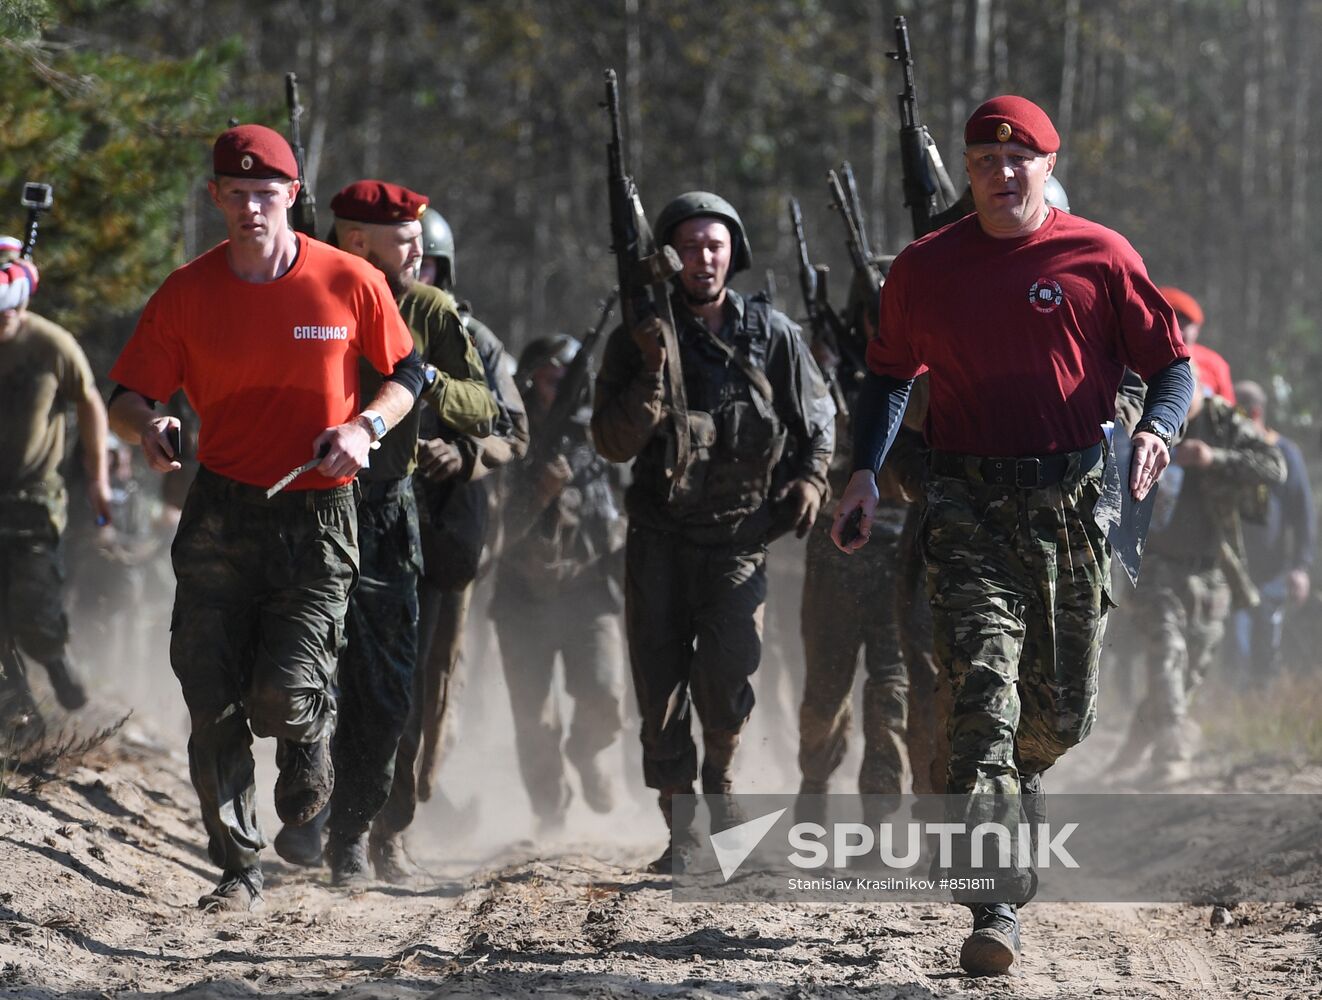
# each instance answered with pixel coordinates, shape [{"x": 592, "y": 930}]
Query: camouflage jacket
[
  {"x": 743, "y": 446},
  {"x": 1205, "y": 525}
]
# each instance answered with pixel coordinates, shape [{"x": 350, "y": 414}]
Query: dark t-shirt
[{"x": 1026, "y": 339}]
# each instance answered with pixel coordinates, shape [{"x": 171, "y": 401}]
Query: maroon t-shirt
[{"x": 1025, "y": 339}]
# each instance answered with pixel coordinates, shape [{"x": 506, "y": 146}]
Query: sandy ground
[{"x": 102, "y": 869}]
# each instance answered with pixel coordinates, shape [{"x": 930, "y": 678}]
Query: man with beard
[
  {"x": 264, "y": 334},
  {"x": 457, "y": 485},
  {"x": 379, "y": 221},
  {"x": 761, "y": 430}
]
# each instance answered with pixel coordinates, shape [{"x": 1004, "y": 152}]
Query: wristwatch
[
  {"x": 376, "y": 425},
  {"x": 1158, "y": 430}
]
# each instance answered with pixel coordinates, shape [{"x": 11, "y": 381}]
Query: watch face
[{"x": 378, "y": 427}]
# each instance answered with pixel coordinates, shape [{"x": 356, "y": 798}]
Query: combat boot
[
  {"x": 596, "y": 786},
  {"x": 307, "y": 778},
  {"x": 348, "y": 860},
  {"x": 387, "y": 856},
  {"x": 300, "y": 845},
  {"x": 665, "y": 863},
  {"x": 994, "y": 944},
  {"x": 236, "y": 892},
  {"x": 68, "y": 687}
]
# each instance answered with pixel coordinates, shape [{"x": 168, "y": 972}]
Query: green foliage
[{"x": 122, "y": 140}]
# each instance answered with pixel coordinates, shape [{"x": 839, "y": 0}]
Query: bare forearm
[
  {"x": 92, "y": 431},
  {"x": 129, "y": 415},
  {"x": 393, "y": 402}
]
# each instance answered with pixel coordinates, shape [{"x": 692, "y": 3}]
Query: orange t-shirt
[{"x": 267, "y": 366}]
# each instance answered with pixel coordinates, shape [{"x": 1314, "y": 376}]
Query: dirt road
[{"x": 101, "y": 871}]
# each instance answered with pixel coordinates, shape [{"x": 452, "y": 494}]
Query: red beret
[
  {"x": 1012, "y": 119},
  {"x": 1183, "y": 303},
  {"x": 378, "y": 203},
  {"x": 253, "y": 151}
]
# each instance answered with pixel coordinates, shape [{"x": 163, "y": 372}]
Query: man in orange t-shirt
[
  {"x": 264, "y": 334},
  {"x": 1213, "y": 369}
]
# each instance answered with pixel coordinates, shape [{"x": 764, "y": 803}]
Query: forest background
[{"x": 1187, "y": 125}]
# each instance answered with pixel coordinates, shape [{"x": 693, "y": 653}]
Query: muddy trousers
[
  {"x": 1180, "y": 614},
  {"x": 440, "y": 640},
  {"x": 257, "y": 627},
  {"x": 375, "y": 677},
  {"x": 849, "y": 607},
  {"x": 928, "y": 736},
  {"x": 693, "y": 614},
  {"x": 587, "y": 642}
]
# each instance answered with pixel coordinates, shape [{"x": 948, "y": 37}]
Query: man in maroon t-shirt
[{"x": 1025, "y": 317}]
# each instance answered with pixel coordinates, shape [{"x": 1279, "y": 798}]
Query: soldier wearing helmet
[
  {"x": 761, "y": 432},
  {"x": 558, "y": 594},
  {"x": 457, "y": 483}
]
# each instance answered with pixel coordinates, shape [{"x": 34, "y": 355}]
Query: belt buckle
[{"x": 1020, "y": 479}]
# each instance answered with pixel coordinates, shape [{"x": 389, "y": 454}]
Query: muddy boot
[
  {"x": 994, "y": 944},
  {"x": 236, "y": 892},
  {"x": 717, "y": 767},
  {"x": 387, "y": 856},
  {"x": 306, "y": 780},
  {"x": 665, "y": 864},
  {"x": 596, "y": 787},
  {"x": 21, "y": 723},
  {"x": 68, "y": 686},
  {"x": 301, "y": 845},
  {"x": 347, "y": 860}
]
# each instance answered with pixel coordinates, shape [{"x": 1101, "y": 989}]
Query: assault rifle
[
  {"x": 569, "y": 395},
  {"x": 844, "y": 199},
  {"x": 304, "y": 213},
  {"x": 927, "y": 187},
  {"x": 36, "y": 198},
  {"x": 827, "y": 326},
  {"x": 644, "y": 271}
]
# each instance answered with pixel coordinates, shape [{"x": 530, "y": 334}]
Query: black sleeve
[
  {"x": 878, "y": 415},
  {"x": 1170, "y": 392},
  {"x": 410, "y": 373},
  {"x": 120, "y": 390}
]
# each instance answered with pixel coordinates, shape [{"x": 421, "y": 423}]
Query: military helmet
[
  {"x": 693, "y": 204},
  {"x": 559, "y": 349},
  {"x": 1056, "y": 196},
  {"x": 438, "y": 239}
]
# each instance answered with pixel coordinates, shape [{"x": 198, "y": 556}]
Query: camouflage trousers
[
  {"x": 1180, "y": 616},
  {"x": 849, "y": 607},
  {"x": 1018, "y": 584},
  {"x": 257, "y": 627},
  {"x": 693, "y": 614},
  {"x": 375, "y": 676},
  {"x": 584, "y": 631}
]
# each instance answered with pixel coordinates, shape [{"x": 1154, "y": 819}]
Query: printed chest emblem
[{"x": 1046, "y": 295}]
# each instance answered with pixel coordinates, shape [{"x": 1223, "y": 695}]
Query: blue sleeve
[
  {"x": 1170, "y": 392},
  {"x": 878, "y": 414},
  {"x": 1299, "y": 516}
]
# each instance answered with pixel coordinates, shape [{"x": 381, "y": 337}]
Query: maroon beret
[
  {"x": 253, "y": 151},
  {"x": 1012, "y": 119},
  {"x": 379, "y": 203}
]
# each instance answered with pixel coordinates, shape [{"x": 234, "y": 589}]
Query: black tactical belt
[
  {"x": 1020, "y": 473},
  {"x": 222, "y": 486}
]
